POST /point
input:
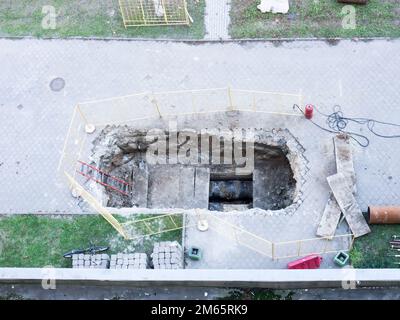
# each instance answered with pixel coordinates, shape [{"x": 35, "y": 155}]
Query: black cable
[{"x": 337, "y": 123}]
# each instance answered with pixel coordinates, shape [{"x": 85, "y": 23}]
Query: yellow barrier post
[
  {"x": 230, "y": 99},
  {"x": 299, "y": 248},
  {"x": 143, "y": 14},
  {"x": 82, "y": 115},
  {"x": 273, "y": 251},
  {"x": 165, "y": 11},
  {"x": 154, "y": 100}
]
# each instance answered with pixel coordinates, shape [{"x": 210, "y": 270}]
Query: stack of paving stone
[
  {"x": 167, "y": 255},
  {"x": 94, "y": 261},
  {"x": 128, "y": 261}
]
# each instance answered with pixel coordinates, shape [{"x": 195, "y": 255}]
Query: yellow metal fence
[
  {"x": 277, "y": 249},
  {"x": 154, "y": 12},
  {"x": 128, "y": 109}
]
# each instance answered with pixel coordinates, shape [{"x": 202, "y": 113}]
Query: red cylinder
[{"x": 309, "y": 110}]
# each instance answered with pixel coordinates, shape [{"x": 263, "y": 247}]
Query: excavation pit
[{"x": 213, "y": 170}]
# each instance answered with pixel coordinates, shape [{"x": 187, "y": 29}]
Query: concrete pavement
[{"x": 360, "y": 76}]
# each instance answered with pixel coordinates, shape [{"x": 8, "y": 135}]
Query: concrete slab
[
  {"x": 178, "y": 187},
  {"x": 344, "y": 157},
  {"x": 171, "y": 187},
  {"x": 201, "y": 188},
  {"x": 140, "y": 178},
  {"x": 344, "y": 165},
  {"x": 340, "y": 185},
  {"x": 266, "y": 278},
  {"x": 186, "y": 190},
  {"x": 330, "y": 218}
]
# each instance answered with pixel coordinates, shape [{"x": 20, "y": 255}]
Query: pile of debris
[
  {"x": 95, "y": 261},
  {"x": 341, "y": 199},
  {"x": 167, "y": 255}
]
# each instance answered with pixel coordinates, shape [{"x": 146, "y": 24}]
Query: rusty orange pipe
[{"x": 384, "y": 215}]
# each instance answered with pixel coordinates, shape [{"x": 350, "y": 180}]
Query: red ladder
[{"x": 103, "y": 178}]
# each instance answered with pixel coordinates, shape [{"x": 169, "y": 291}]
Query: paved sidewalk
[
  {"x": 217, "y": 19},
  {"x": 360, "y": 76}
]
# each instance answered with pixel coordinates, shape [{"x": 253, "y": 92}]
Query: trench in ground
[{"x": 123, "y": 152}]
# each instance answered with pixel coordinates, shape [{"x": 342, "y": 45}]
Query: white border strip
[{"x": 273, "y": 278}]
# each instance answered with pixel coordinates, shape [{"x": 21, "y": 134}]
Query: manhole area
[{"x": 57, "y": 84}]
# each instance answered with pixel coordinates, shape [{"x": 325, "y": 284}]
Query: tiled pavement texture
[{"x": 217, "y": 19}]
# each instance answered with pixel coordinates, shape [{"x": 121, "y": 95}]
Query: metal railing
[
  {"x": 128, "y": 109},
  {"x": 154, "y": 12}
]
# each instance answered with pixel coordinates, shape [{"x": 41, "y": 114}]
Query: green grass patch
[
  {"x": 100, "y": 18},
  {"x": 38, "y": 241},
  {"x": 373, "y": 250},
  {"x": 310, "y": 18}
]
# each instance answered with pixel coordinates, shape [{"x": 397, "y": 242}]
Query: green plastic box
[
  {"x": 195, "y": 253},
  {"x": 341, "y": 258}
]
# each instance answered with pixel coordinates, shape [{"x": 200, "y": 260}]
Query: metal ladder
[{"x": 103, "y": 178}]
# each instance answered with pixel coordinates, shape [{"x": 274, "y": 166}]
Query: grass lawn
[
  {"x": 38, "y": 241},
  {"x": 310, "y": 18},
  {"x": 371, "y": 251},
  {"x": 100, "y": 18}
]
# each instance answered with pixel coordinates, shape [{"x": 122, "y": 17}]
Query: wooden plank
[
  {"x": 330, "y": 218},
  {"x": 344, "y": 164},
  {"x": 344, "y": 157},
  {"x": 341, "y": 187}
]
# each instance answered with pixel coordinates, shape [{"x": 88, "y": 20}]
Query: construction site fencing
[
  {"x": 276, "y": 249},
  {"x": 154, "y": 12},
  {"x": 128, "y": 109}
]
